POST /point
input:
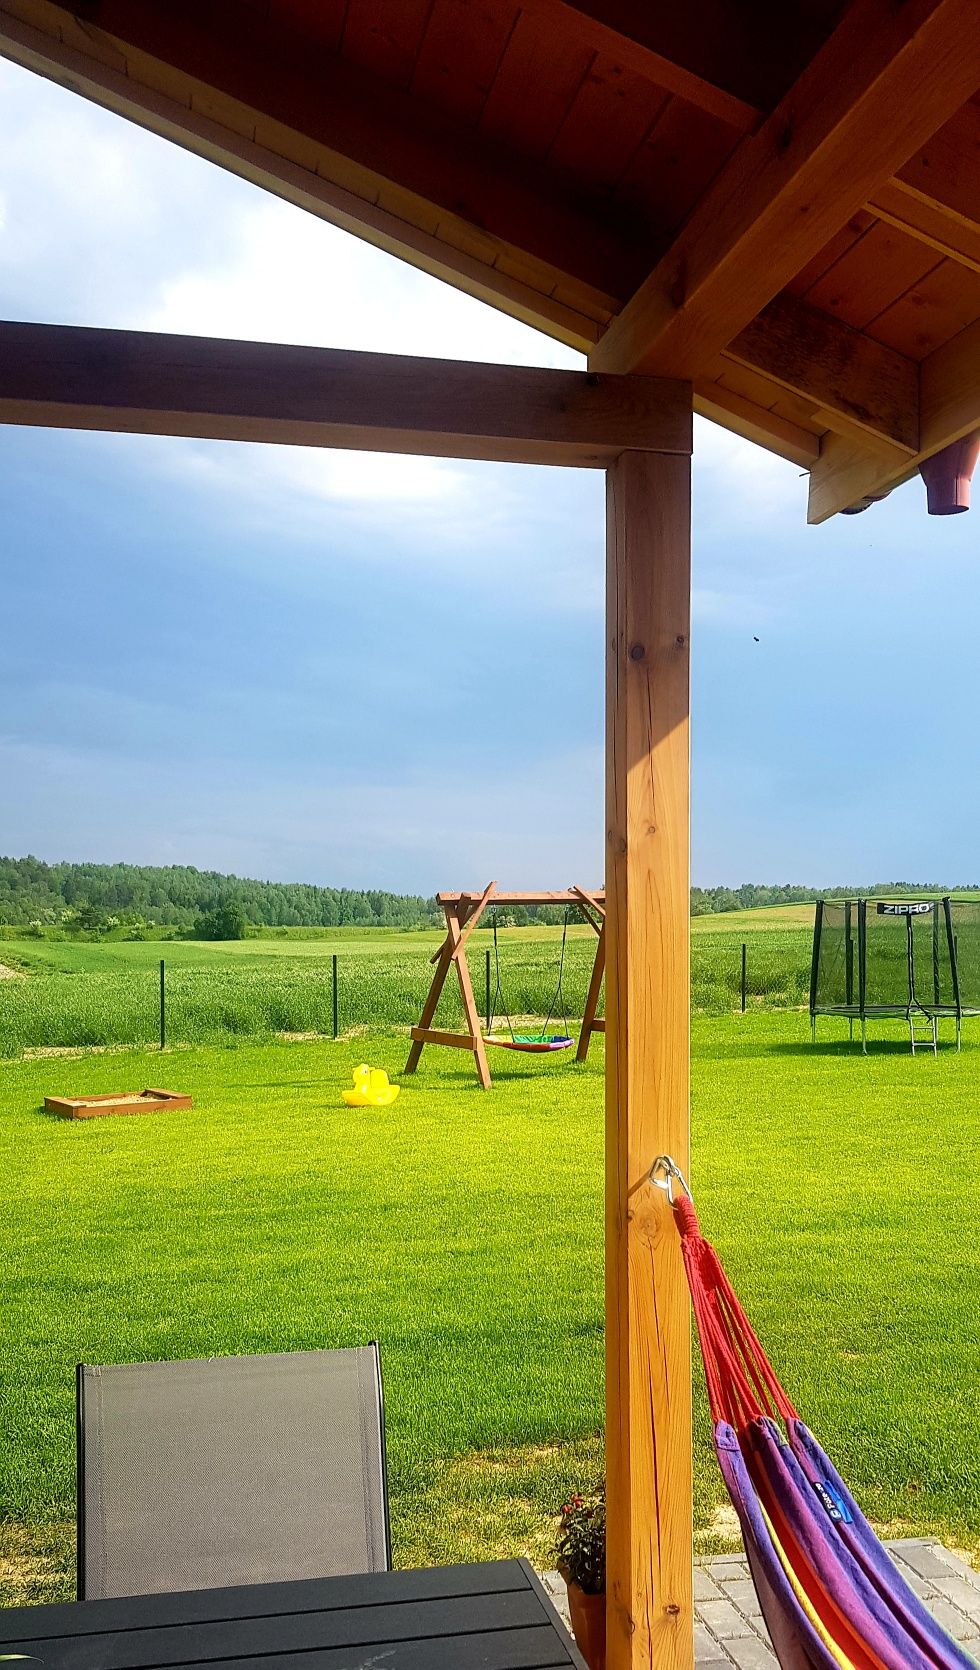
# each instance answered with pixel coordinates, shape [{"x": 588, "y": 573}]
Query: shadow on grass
[{"x": 844, "y": 1047}]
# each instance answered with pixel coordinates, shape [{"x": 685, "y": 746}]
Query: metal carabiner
[{"x": 671, "y": 1174}]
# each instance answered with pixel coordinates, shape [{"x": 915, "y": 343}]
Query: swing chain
[{"x": 671, "y": 1174}]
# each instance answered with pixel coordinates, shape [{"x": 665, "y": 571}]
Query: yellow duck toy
[{"x": 371, "y": 1088}]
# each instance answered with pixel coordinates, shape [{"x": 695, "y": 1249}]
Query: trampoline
[{"x": 916, "y": 960}]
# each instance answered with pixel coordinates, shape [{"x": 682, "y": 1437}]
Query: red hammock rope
[{"x": 742, "y": 1383}]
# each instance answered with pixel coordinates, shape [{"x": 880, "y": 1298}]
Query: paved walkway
[{"x": 729, "y": 1629}]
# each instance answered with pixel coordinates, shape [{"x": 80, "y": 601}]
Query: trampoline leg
[
  {"x": 813, "y": 1029},
  {"x": 850, "y": 1028},
  {"x": 864, "y": 1036},
  {"x": 935, "y": 1036},
  {"x": 959, "y": 1030}
]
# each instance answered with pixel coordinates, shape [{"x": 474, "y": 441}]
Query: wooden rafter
[
  {"x": 845, "y": 474},
  {"x": 950, "y": 233},
  {"x": 884, "y": 81},
  {"x": 71, "y": 377}
]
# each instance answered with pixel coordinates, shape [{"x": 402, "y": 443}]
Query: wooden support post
[
  {"x": 650, "y": 1609},
  {"x": 589, "y": 1022}
]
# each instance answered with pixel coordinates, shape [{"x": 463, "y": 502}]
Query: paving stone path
[{"x": 729, "y": 1628}]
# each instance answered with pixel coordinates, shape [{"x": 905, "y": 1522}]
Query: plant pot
[{"x": 588, "y": 1613}]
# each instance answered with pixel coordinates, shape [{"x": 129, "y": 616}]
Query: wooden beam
[
  {"x": 951, "y": 233},
  {"x": 650, "y": 1617},
  {"x": 949, "y": 408},
  {"x": 885, "y": 80},
  {"x": 68, "y": 376},
  {"x": 449, "y": 1040},
  {"x": 756, "y": 423},
  {"x": 565, "y": 896},
  {"x": 268, "y": 78},
  {"x": 843, "y": 371}
]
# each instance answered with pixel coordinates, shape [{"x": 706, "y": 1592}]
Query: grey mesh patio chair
[{"x": 230, "y": 1470}]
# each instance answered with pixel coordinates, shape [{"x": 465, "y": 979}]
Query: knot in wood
[
  {"x": 672, "y": 1609},
  {"x": 680, "y": 640},
  {"x": 637, "y": 652}
]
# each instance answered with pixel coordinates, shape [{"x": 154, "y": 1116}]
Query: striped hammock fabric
[{"x": 831, "y": 1596}]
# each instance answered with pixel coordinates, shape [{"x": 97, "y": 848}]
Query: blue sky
[{"x": 378, "y": 671}]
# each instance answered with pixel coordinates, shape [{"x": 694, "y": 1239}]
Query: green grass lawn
[{"x": 463, "y": 1230}]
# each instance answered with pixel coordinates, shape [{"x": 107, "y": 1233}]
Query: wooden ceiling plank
[
  {"x": 841, "y": 369},
  {"x": 886, "y": 78},
  {"x": 539, "y": 75},
  {"x": 320, "y": 194},
  {"x": 933, "y": 223},
  {"x": 676, "y": 162},
  {"x": 947, "y": 168},
  {"x": 931, "y": 312},
  {"x": 871, "y": 275},
  {"x": 605, "y": 125},
  {"x": 384, "y": 38},
  {"x": 70, "y": 376},
  {"x": 949, "y": 381},
  {"x": 825, "y": 258},
  {"x": 457, "y": 64}
]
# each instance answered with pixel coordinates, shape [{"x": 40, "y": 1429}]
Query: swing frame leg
[
  {"x": 453, "y": 955},
  {"x": 589, "y": 1022}
]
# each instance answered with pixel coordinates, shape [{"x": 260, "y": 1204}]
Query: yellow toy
[{"x": 371, "y": 1088}]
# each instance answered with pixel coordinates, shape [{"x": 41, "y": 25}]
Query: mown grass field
[
  {"x": 463, "y": 1230},
  {"x": 101, "y": 993}
]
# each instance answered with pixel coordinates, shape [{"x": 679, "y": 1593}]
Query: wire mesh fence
[{"x": 333, "y": 993}]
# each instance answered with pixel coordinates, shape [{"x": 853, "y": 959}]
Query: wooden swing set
[{"x": 463, "y": 911}]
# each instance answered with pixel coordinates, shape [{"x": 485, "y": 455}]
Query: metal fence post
[
  {"x": 336, "y": 1006},
  {"x": 163, "y": 1003},
  {"x": 744, "y": 965},
  {"x": 487, "y": 988}
]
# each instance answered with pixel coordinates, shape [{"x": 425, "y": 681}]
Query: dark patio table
[{"x": 481, "y": 1617}]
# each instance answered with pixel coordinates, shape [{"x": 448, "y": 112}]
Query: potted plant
[{"x": 581, "y": 1553}]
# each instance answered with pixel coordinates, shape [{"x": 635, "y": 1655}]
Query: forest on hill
[{"x": 90, "y": 897}]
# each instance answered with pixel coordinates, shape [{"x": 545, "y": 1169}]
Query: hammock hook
[{"x": 672, "y": 1174}]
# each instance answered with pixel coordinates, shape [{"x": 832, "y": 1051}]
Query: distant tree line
[
  {"x": 179, "y": 896},
  {"x": 706, "y": 901},
  {"x": 91, "y": 898}
]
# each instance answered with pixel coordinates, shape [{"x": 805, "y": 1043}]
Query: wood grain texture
[
  {"x": 885, "y": 80},
  {"x": 839, "y": 368},
  {"x": 650, "y": 1615},
  {"x": 66, "y": 376}
]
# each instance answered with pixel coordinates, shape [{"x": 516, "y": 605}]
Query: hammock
[{"x": 831, "y": 1597}]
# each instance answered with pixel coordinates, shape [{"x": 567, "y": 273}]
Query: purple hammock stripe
[
  {"x": 847, "y": 1560},
  {"x": 837, "y": 1572},
  {"x": 875, "y": 1560},
  {"x": 797, "y": 1644}
]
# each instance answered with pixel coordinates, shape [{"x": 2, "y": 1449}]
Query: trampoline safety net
[{"x": 904, "y": 958}]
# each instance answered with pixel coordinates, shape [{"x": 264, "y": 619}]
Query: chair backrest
[{"x": 230, "y": 1470}]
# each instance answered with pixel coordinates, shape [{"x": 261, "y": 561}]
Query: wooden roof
[{"x": 779, "y": 202}]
